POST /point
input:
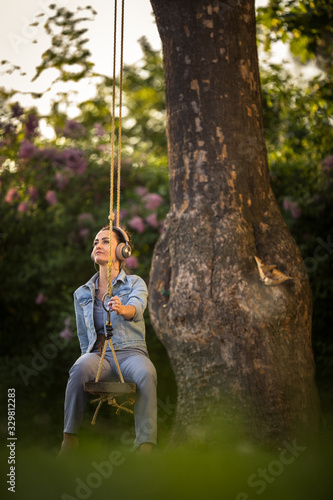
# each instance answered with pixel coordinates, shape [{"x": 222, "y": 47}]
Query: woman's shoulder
[
  {"x": 86, "y": 288},
  {"x": 134, "y": 279}
]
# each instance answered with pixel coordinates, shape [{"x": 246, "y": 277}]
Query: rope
[
  {"x": 115, "y": 359},
  {"x": 93, "y": 422},
  {"x": 101, "y": 362},
  {"x": 111, "y": 214},
  {"x": 111, "y": 400},
  {"x": 120, "y": 104}
]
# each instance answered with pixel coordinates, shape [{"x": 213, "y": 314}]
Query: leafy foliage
[
  {"x": 307, "y": 26},
  {"x": 67, "y": 53}
]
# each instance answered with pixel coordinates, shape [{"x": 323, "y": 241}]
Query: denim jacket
[{"x": 131, "y": 290}]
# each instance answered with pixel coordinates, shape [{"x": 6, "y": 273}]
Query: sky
[
  {"x": 17, "y": 37},
  {"x": 17, "y": 15}
]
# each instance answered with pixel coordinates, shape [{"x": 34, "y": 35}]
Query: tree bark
[{"x": 235, "y": 343}]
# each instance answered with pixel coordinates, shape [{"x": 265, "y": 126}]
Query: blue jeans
[{"x": 136, "y": 367}]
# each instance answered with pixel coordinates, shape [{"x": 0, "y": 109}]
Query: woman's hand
[
  {"x": 127, "y": 312},
  {"x": 115, "y": 305}
]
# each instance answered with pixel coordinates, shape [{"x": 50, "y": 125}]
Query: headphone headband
[{"x": 121, "y": 233}]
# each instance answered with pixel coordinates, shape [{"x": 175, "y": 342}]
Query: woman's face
[{"x": 101, "y": 247}]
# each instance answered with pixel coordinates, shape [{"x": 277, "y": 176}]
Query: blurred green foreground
[{"x": 233, "y": 470}]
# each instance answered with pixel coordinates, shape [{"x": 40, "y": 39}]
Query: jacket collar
[{"x": 121, "y": 277}]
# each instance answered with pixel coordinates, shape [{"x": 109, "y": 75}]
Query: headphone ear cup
[
  {"x": 126, "y": 251},
  {"x": 119, "y": 251},
  {"x": 123, "y": 251}
]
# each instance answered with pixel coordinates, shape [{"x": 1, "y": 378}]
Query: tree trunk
[{"x": 233, "y": 341}]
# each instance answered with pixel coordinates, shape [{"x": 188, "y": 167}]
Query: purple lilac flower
[
  {"x": 9, "y": 129},
  {"x": 84, "y": 233},
  {"x": 152, "y": 220},
  {"x": 23, "y": 207},
  {"x": 17, "y": 111},
  {"x": 31, "y": 125},
  {"x": 292, "y": 207},
  {"x": 27, "y": 149},
  {"x": 54, "y": 155},
  {"x": 33, "y": 193},
  {"x": 132, "y": 262},
  {"x": 141, "y": 191},
  {"x": 75, "y": 161},
  {"x": 51, "y": 197},
  {"x": 123, "y": 213},
  {"x": 73, "y": 129},
  {"x": 153, "y": 201},
  {"x": 40, "y": 299},
  {"x": 66, "y": 333},
  {"x": 295, "y": 210},
  {"x": 286, "y": 203},
  {"x": 328, "y": 163},
  {"x": 12, "y": 195},
  {"x": 85, "y": 217},
  {"x": 99, "y": 130},
  {"x": 61, "y": 180},
  {"x": 137, "y": 224}
]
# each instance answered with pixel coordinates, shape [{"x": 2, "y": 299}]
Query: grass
[{"x": 234, "y": 469}]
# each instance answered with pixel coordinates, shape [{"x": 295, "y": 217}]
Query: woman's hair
[{"x": 122, "y": 264}]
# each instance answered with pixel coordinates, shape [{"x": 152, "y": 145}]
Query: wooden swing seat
[{"x": 110, "y": 389}]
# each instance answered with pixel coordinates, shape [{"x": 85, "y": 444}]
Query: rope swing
[{"x": 107, "y": 391}]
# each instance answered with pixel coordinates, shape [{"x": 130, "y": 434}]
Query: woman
[{"x": 127, "y": 304}]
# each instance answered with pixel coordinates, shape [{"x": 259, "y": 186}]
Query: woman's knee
[
  {"x": 147, "y": 375},
  {"x": 85, "y": 367}
]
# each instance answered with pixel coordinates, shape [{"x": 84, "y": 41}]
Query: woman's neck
[{"x": 103, "y": 275}]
